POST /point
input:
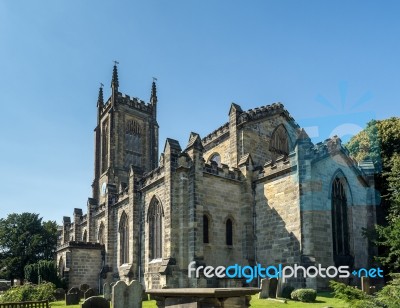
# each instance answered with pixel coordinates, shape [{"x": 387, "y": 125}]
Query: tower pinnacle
[
  {"x": 100, "y": 100},
  {"x": 153, "y": 97},
  {"x": 114, "y": 80}
]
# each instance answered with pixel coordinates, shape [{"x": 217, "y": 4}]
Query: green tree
[
  {"x": 380, "y": 142},
  {"x": 388, "y": 236},
  {"x": 24, "y": 240}
]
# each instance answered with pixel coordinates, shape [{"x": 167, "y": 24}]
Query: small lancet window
[
  {"x": 206, "y": 230},
  {"x": 340, "y": 227},
  {"x": 229, "y": 232},
  {"x": 216, "y": 158},
  {"x": 124, "y": 239}
]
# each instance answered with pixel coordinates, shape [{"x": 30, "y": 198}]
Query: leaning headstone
[
  {"x": 127, "y": 296},
  {"x": 89, "y": 293},
  {"x": 366, "y": 285},
  {"x": 59, "y": 294},
  {"x": 72, "y": 299},
  {"x": 264, "y": 288},
  {"x": 273, "y": 286},
  {"x": 107, "y": 291},
  {"x": 95, "y": 302}
]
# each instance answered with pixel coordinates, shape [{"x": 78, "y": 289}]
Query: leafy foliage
[
  {"x": 24, "y": 240},
  {"x": 355, "y": 297},
  {"x": 47, "y": 270},
  {"x": 29, "y": 292},
  {"x": 304, "y": 295},
  {"x": 347, "y": 293},
  {"x": 380, "y": 142},
  {"x": 390, "y": 294},
  {"x": 388, "y": 236}
]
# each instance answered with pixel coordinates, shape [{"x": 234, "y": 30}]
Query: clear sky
[{"x": 328, "y": 62}]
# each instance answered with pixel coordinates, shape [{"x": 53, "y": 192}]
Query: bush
[
  {"x": 29, "y": 292},
  {"x": 390, "y": 294},
  {"x": 304, "y": 295},
  {"x": 347, "y": 293},
  {"x": 287, "y": 291},
  {"x": 368, "y": 303}
]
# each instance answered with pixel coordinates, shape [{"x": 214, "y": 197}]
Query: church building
[{"x": 254, "y": 191}]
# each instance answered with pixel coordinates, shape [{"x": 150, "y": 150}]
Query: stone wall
[
  {"x": 82, "y": 263},
  {"x": 278, "y": 217},
  {"x": 222, "y": 200}
]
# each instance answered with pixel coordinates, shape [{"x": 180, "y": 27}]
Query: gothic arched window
[
  {"x": 84, "y": 236},
  {"x": 206, "y": 229},
  {"x": 216, "y": 158},
  {"x": 280, "y": 141},
  {"x": 133, "y": 144},
  {"x": 155, "y": 220},
  {"x": 100, "y": 236},
  {"x": 61, "y": 267},
  {"x": 229, "y": 232},
  {"x": 340, "y": 227},
  {"x": 124, "y": 239},
  {"x": 104, "y": 147}
]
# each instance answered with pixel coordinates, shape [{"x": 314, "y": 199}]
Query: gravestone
[
  {"x": 73, "y": 290},
  {"x": 89, "y": 293},
  {"x": 264, "y": 288},
  {"x": 279, "y": 287},
  {"x": 366, "y": 285},
  {"x": 72, "y": 299},
  {"x": 107, "y": 291},
  {"x": 273, "y": 286},
  {"x": 127, "y": 296},
  {"x": 59, "y": 294},
  {"x": 84, "y": 287},
  {"x": 95, "y": 302}
]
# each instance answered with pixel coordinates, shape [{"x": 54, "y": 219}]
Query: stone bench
[
  {"x": 203, "y": 297},
  {"x": 37, "y": 304}
]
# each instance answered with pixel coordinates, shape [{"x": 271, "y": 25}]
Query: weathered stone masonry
[{"x": 256, "y": 190}]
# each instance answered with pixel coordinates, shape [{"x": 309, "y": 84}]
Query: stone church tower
[{"x": 254, "y": 191}]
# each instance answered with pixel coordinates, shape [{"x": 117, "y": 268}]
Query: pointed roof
[
  {"x": 235, "y": 107},
  {"x": 194, "y": 140},
  {"x": 173, "y": 144}
]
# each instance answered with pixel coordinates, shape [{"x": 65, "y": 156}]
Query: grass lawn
[{"x": 324, "y": 299}]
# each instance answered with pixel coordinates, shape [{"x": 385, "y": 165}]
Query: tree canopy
[{"x": 25, "y": 239}]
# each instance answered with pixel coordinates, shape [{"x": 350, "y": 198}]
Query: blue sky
[{"x": 333, "y": 63}]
